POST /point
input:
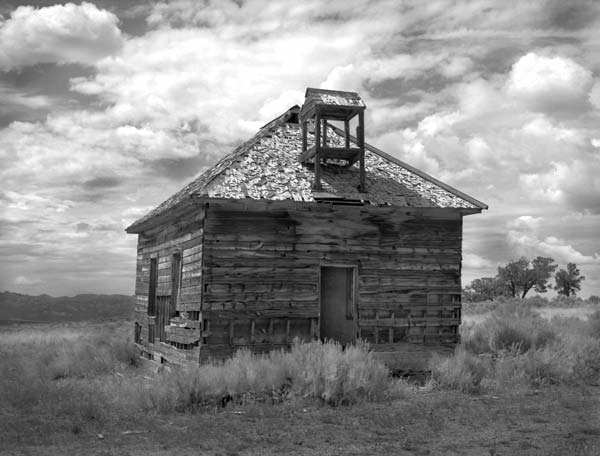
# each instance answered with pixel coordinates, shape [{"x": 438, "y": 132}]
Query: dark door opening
[{"x": 338, "y": 303}]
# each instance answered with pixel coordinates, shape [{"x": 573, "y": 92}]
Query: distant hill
[{"x": 16, "y": 307}]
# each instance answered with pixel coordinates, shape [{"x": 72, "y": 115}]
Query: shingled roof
[{"x": 267, "y": 168}]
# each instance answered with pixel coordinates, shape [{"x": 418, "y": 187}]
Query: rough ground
[{"x": 549, "y": 421}]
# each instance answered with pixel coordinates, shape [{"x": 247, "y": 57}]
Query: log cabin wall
[
  {"x": 262, "y": 262},
  {"x": 176, "y": 248}
]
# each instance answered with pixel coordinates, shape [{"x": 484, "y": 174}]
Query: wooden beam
[
  {"x": 304, "y": 136},
  {"x": 308, "y": 153},
  {"x": 317, "y": 182},
  {"x": 347, "y": 133},
  {"x": 339, "y": 152},
  {"x": 361, "y": 145}
]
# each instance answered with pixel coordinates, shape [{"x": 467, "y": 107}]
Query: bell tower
[{"x": 321, "y": 106}]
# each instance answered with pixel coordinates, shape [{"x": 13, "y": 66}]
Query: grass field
[{"x": 524, "y": 381}]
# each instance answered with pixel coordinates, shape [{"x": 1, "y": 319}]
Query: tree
[
  {"x": 519, "y": 278},
  {"x": 484, "y": 289},
  {"x": 568, "y": 282}
]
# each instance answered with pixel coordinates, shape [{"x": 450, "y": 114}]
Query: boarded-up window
[
  {"x": 152, "y": 286},
  {"x": 175, "y": 281}
]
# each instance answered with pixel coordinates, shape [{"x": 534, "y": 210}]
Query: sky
[{"x": 107, "y": 108}]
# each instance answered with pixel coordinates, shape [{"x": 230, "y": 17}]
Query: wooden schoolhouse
[{"x": 304, "y": 231}]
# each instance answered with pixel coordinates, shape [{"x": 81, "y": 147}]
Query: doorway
[{"x": 338, "y": 303}]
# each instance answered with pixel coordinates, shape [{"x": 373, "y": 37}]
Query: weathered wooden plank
[
  {"x": 182, "y": 335},
  {"x": 259, "y": 297},
  {"x": 189, "y": 306},
  {"x": 166, "y": 246},
  {"x": 249, "y": 316},
  {"x": 408, "y": 322},
  {"x": 276, "y": 312},
  {"x": 188, "y": 267},
  {"x": 192, "y": 250},
  {"x": 172, "y": 354}
]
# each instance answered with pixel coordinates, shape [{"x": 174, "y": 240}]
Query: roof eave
[{"x": 167, "y": 215}]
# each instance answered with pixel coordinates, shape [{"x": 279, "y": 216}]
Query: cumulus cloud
[
  {"x": 528, "y": 236},
  {"x": 543, "y": 128},
  {"x": 576, "y": 184},
  {"x": 559, "y": 249},
  {"x": 549, "y": 84},
  {"x": 525, "y": 222},
  {"x": 60, "y": 33}
]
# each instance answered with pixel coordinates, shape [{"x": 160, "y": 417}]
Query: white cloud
[
  {"x": 60, "y": 33},
  {"x": 473, "y": 261},
  {"x": 479, "y": 97},
  {"x": 558, "y": 249},
  {"x": 529, "y": 236},
  {"x": 543, "y": 128},
  {"x": 437, "y": 123},
  {"x": 526, "y": 222},
  {"x": 595, "y": 94},
  {"x": 575, "y": 184},
  {"x": 479, "y": 151},
  {"x": 24, "y": 99},
  {"x": 549, "y": 83},
  {"x": 347, "y": 76},
  {"x": 456, "y": 66}
]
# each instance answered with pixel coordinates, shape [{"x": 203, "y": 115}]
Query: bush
[
  {"x": 314, "y": 370},
  {"x": 594, "y": 324},
  {"x": 514, "y": 347},
  {"x": 463, "y": 371},
  {"x": 567, "y": 301},
  {"x": 509, "y": 328},
  {"x": 507, "y": 336}
]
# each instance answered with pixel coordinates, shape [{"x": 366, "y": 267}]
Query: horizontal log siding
[
  {"x": 264, "y": 264},
  {"x": 185, "y": 237}
]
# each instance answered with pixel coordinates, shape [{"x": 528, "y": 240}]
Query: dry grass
[
  {"x": 317, "y": 371},
  {"x": 91, "y": 371},
  {"x": 516, "y": 347},
  {"x": 61, "y": 386}
]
